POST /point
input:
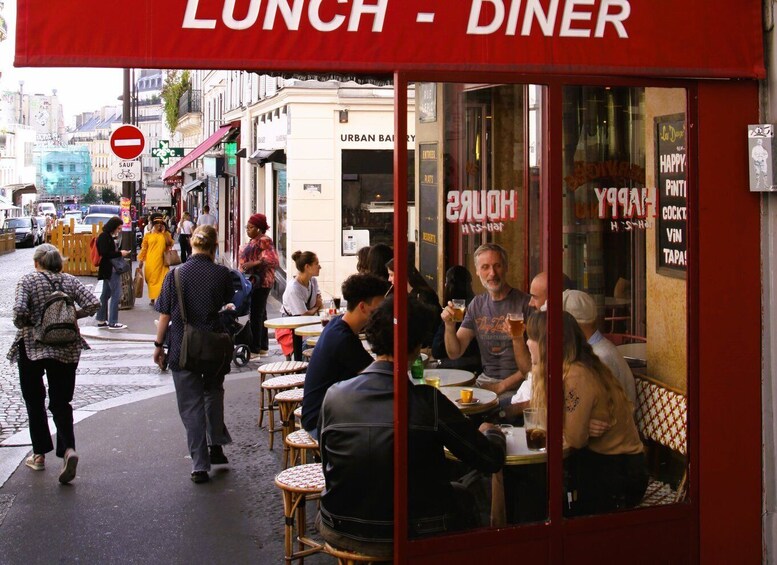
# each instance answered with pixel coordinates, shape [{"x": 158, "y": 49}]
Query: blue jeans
[{"x": 112, "y": 291}]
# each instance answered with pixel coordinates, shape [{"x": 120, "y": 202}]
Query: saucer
[{"x": 474, "y": 401}]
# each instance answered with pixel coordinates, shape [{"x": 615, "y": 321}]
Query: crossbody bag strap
[
  {"x": 181, "y": 307},
  {"x": 51, "y": 283}
]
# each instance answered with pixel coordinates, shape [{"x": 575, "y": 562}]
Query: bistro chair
[
  {"x": 298, "y": 444},
  {"x": 298, "y": 417},
  {"x": 298, "y": 485},
  {"x": 288, "y": 401},
  {"x": 275, "y": 369},
  {"x": 272, "y": 387},
  {"x": 345, "y": 557}
]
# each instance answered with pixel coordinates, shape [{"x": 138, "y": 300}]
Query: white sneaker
[{"x": 117, "y": 326}]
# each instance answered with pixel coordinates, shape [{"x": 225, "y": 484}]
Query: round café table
[
  {"x": 291, "y": 323},
  {"x": 310, "y": 330},
  {"x": 451, "y": 377},
  {"x": 485, "y": 400}
]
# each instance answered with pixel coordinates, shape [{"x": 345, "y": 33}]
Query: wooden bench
[{"x": 662, "y": 419}]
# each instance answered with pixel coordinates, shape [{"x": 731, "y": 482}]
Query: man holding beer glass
[{"x": 486, "y": 320}]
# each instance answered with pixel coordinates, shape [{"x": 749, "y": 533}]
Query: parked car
[
  {"x": 90, "y": 220},
  {"x": 26, "y": 230},
  {"x": 75, "y": 214}
]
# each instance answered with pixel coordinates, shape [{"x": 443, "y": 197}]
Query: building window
[{"x": 368, "y": 193}]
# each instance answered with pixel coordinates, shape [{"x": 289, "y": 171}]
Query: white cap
[{"x": 580, "y": 305}]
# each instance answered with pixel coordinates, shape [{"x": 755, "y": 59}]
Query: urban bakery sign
[{"x": 614, "y": 37}]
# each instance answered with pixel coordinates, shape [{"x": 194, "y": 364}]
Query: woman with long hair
[
  {"x": 458, "y": 285},
  {"x": 152, "y": 252},
  {"x": 206, "y": 288},
  {"x": 59, "y": 361},
  {"x": 607, "y": 472},
  {"x": 377, "y": 257},
  {"x": 107, "y": 246}
]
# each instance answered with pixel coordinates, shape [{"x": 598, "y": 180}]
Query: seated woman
[
  {"x": 357, "y": 449},
  {"x": 418, "y": 288},
  {"x": 301, "y": 298},
  {"x": 458, "y": 284},
  {"x": 607, "y": 472}
]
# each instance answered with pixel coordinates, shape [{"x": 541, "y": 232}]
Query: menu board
[
  {"x": 428, "y": 213},
  {"x": 671, "y": 195}
]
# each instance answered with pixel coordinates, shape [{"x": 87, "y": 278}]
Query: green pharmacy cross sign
[{"x": 163, "y": 152}]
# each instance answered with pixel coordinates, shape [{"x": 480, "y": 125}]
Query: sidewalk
[{"x": 132, "y": 500}]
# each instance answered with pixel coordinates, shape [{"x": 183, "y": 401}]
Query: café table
[
  {"x": 517, "y": 456},
  {"x": 483, "y": 400},
  {"x": 309, "y": 330},
  {"x": 313, "y": 340},
  {"x": 292, "y": 322},
  {"x": 451, "y": 377},
  {"x": 635, "y": 354}
]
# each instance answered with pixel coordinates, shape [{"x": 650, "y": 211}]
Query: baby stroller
[{"x": 241, "y": 333}]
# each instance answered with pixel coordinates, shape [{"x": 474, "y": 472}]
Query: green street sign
[{"x": 163, "y": 152}]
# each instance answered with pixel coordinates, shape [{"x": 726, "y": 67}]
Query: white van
[{"x": 45, "y": 208}]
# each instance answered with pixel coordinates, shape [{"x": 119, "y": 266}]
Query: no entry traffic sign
[{"x": 127, "y": 142}]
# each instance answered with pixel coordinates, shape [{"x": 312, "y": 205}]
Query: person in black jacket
[
  {"x": 357, "y": 449},
  {"x": 108, "y": 314}
]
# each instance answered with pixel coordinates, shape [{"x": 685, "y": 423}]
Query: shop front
[{"x": 599, "y": 144}]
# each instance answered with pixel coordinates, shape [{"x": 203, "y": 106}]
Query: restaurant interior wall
[{"x": 667, "y": 322}]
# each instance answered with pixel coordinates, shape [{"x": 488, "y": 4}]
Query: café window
[
  {"x": 623, "y": 360},
  {"x": 280, "y": 189},
  {"x": 367, "y": 192}
]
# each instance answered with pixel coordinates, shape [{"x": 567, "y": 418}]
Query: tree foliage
[
  {"x": 91, "y": 196},
  {"x": 176, "y": 83},
  {"x": 109, "y": 196}
]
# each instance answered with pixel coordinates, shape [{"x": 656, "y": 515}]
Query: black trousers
[
  {"x": 259, "y": 298},
  {"x": 185, "y": 244},
  {"x": 61, "y": 378}
]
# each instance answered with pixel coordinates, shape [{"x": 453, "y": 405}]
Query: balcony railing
[{"x": 190, "y": 102}]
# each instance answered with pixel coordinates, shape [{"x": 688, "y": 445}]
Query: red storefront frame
[{"x": 721, "y": 522}]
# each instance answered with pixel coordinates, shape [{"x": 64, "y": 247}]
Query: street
[{"x": 132, "y": 500}]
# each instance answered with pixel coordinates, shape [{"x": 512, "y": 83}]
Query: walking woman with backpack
[
  {"x": 48, "y": 341},
  {"x": 107, "y": 247}
]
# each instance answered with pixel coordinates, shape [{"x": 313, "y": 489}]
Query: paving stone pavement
[{"x": 111, "y": 369}]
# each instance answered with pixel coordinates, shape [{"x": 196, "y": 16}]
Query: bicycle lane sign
[{"x": 125, "y": 171}]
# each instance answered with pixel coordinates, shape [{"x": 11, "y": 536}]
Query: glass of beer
[
  {"x": 459, "y": 305},
  {"x": 432, "y": 379},
  {"x": 515, "y": 319},
  {"x": 536, "y": 429}
]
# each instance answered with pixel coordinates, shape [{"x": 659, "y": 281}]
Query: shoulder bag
[
  {"x": 171, "y": 258},
  {"x": 202, "y": 351},
  {"x": 120, "y": 265}
]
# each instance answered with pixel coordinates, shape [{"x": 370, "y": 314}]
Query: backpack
[
  {"x": 57, "y": 325},
  {"x": 242, "y": 297},
  {"x": 94, "y": 255}
]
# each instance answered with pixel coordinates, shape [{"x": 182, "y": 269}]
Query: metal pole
[{"x": 126, "y": 187}]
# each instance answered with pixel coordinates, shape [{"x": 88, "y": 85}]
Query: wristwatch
[{"x": 157, "y": 344}]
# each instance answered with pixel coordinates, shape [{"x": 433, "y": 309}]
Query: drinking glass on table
[
  {"x": 534, "y": 422},
  {"x": 515, "y": 320},
  {"x": 325, "y": 317},
  {"x": 432, "y": 379},
  {"x": 459, "y": 305}
]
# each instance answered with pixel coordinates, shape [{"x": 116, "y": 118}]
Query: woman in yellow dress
[{"x": 152, "y": 251}]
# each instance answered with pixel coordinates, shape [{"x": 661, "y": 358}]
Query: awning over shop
[
  {"x": 199, "y": 151},
  {"x": 262, "y": 156},
  {"x": 198, "y": 184}
]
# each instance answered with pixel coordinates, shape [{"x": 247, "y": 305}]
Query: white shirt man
[{"x": 207, "y": 219}]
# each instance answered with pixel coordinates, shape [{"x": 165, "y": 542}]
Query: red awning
[{"x": 198, "y": 151}]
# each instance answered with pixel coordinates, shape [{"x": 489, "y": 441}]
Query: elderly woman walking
[
  {"x": 205, "y": 288},
  {"x": 152, "y": 252},
  {"x": 36, "y": 355}
]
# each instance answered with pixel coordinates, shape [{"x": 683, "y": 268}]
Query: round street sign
[{"x": 127, "y": 142}]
